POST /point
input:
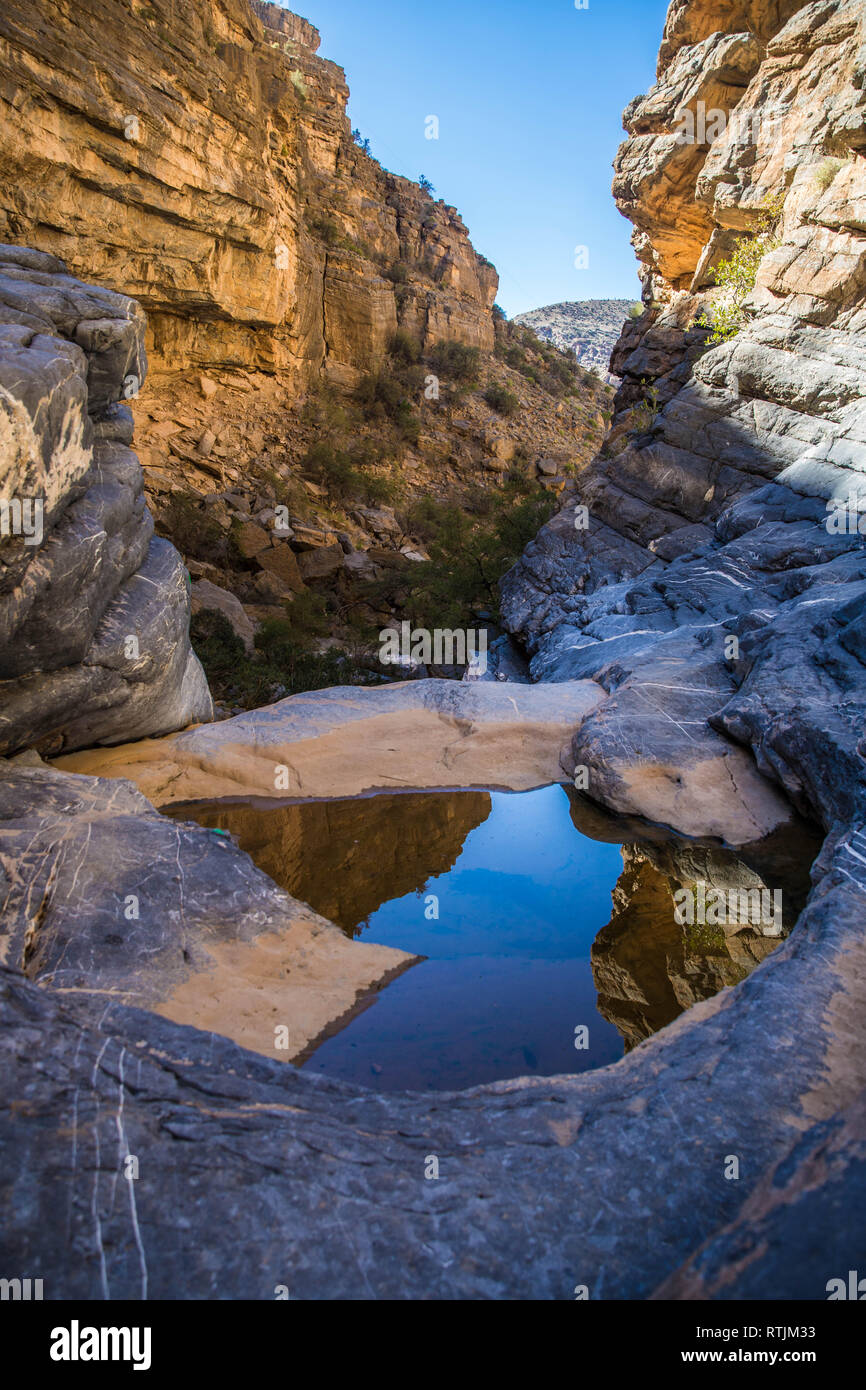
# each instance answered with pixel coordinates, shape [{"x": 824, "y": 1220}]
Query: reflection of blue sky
[
  {"x": 526, "y": 881},
  {"x": 507, "y": 977}
]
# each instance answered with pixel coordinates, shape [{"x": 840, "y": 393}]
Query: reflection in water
[
  {"x": 346, "y": 858},
  {"x": 648, "y": 966},
  {"x": 521, "y": 947}
]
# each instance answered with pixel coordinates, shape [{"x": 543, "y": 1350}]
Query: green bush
[
  {"x": 544, "y": 364},
  {"x": 456, "y": 360},
  {"x": 501, "y": 400},
  {"x": 735, "y": 277},
  {"x": 404, "y": 348},
  {"x": 646, "y": 412},
  {"x": 283, "y": 663},
  {"x": 217, "y": 646},
  {"x": 331, "y": 467},
  {"x": 382, "y": 396},
  {"x": 194, "y": 533},
  {"x": 325, "y": 228},
  {"x": 375, "y": 490},
  {"x": 467, "y": 560}
]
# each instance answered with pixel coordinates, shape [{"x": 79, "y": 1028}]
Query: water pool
[{"x": 549, "y": 941}]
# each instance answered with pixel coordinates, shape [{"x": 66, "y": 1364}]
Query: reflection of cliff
[
  {"x": 345, "y": 858},
  {"x": 647, "y": 967}
]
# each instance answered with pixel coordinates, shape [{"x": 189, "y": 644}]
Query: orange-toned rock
[
  {"x": 281, "y": 561},
  {"x": 319, "y": 563},
  {"x": 251, "y": 539},
  {"x": 213, "y": 177}
]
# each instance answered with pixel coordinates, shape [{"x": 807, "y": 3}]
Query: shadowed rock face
[
  {"x": 796, "y": 1230},
  {"x": 349, "y": 857},
  {"x": 94, "y": 610},
  {"x": 701, "y": 586},
  {"x": 704, "y": 586}
]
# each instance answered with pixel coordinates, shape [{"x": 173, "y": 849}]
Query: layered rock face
[
  {"x": 210, "y": 172},
  {"x": 712, "y": 575},
  {"x": 705, "y": 525},
  {"x": 713, "y": 582},
  {"x": 197, "y": 155},
  {"x": 94, "y": 609}
]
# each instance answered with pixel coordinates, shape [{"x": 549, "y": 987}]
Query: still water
[{"x": 539, "y": 927}]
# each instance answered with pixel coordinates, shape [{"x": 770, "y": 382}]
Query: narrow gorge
[{"x": 258, "y": 403}]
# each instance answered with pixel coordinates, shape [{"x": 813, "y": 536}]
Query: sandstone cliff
[{"x": 198, "y": 157}]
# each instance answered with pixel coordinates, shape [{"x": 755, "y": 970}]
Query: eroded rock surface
[
  {"x": 213, "y": 176},
  {"x": 94, "y": 609},
  {"x": 348, "y": 740},
  {"x": 706, "y": 522},
  {"x": 274, "y": 1177},
  {"x": 710, "y": 576},
  {"x": 795, "y": 1229},
  {"x": 104, "y": 896}
]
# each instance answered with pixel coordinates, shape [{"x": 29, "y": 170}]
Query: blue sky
[{"x": 529, "y": 96}]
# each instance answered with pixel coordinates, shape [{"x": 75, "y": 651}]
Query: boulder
[
  {"x": 205, "y": 595},
  {"x": 94, "y": 610},
  {"x": 251, "y": 539},
  {"x": 280, "y": 560},
  {"x": 320, "y": 563}
]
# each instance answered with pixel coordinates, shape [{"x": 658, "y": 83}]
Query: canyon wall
[
  {"x": 199, "y": 158},
  {"x": 705, "y": 521},
  {"x": 712, "y": 574},
  {"x": 196, "y": 155}
]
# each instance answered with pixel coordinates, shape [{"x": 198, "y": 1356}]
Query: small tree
[{"x": 736, "y": 276}]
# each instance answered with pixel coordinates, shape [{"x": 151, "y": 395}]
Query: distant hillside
[{"x": 589, "y": 327}]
